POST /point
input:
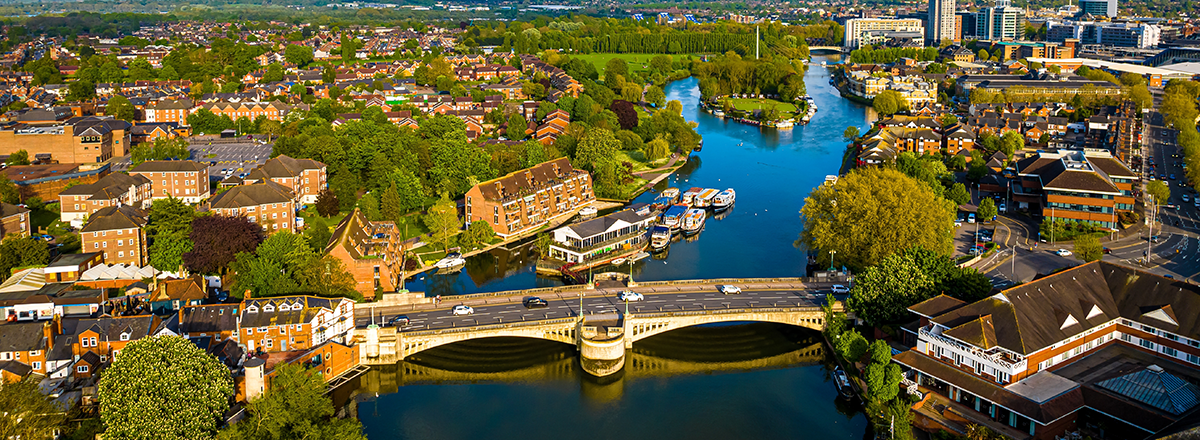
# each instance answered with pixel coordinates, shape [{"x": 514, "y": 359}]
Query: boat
[
  {"x": 670, "y": 192},
  {"x": 724, "y": 200},
  {"x": 660, "y": 237},
  {"x": 704, "y": 199},
  {"x": 587, "y": 212},
  {"x": 693, "y": 221},
  {"x": 617, "y": 261},
  {"x": 639, "y": 256},
  {"x": 689, "y": 196},
  {"x": 673, "y": 218},
  {"x": 664, "y": 200},
  {"x": 451, "y": 260},
  {"x": 843, "y": 383}
]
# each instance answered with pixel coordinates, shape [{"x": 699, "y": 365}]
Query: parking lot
[{"x": 227, "y": 159}]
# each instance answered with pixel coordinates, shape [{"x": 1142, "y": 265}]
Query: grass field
[
  {"x": 748, "y": 105},
  {"x": 636, "y": 60}
]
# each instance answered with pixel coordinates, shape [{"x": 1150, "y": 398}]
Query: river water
[{"x": 752, "y": 381}]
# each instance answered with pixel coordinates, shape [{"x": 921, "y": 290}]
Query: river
[{"x": 753, "y": 381}]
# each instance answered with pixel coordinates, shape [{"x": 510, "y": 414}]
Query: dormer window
[
  {"x": 268, "y": 308},
  {"x": 252, "y": 309},
  {"x": 124, "y": 336}
]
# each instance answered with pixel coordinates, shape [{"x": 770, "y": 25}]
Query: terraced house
[
  {"x": 299, "y": 322},
  {"x": 526, "y": 199},
  {"x": 1100, "y": 346},
  {"x": 1085, "y": 186}
]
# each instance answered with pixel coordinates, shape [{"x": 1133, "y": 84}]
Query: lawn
[
  {"x": 638, "y": 159},
  {"x": 748, "y": 105},
  {"x": 637, "y": 61}
]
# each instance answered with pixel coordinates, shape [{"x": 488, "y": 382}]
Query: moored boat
[
  {"x": 843, "y": 383},
  {"x": 724, "y": 200},
  {"x": 689, "y": 196},
  {"x": 450, "y": 261},
  {"x": 704, "y": 199},
  {"x": 670, "y": 192},
  {"x": 617, "y": 261},
  {"x": 693, "y": 221},
  {"x": 664, "y": 200},
  {"x": 660, "y": 237},
  {"x": 673, "y": 218},
  {"x": 587, "y": 212}
]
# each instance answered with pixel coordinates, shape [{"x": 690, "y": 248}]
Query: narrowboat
[
  {"x": 724, "y": 200},
  {"x": 673, "y": 218}
]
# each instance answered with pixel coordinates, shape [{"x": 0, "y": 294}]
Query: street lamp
[{"x": 831, "y": 252}]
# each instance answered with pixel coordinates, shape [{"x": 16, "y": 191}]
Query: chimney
[
  {"x": 247, "y": 295},
  {"x": 500, "y": 189},
  {"x": 48, "y": 333}
]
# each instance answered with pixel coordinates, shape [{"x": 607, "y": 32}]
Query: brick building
[
  {"x": 104, "y": 338},
  {"x": 526, "y": 199},
  {"x": 306, "y": 178},
  {"x": 274, "y": 110},
  {"x": 168, "y": 110},
  {"x": 88, "y": 139},
  {"x": 14, "y": 220},
  {"x": 119, "y": 232},
  {"x": 182, "y": 179},
  {"x": 370, "y": 251},
  {"x": 299, "y": 322},
  {"x": 268, "y": 204},
  {"x": 1084, "y": 186},
  {"x": 79, "y": 202},
  {"x": 26, "y": 343},
  {"x": 48, "y": 180}
]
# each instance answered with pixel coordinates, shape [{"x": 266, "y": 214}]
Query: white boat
[
  {"x": 587, "y": 211},
  {"x": 693, "y": 221},
  {"x": 639, "y": 256},
  {"x": 673, "y": 218},
  {"x": 724, "y": 200},
  {"x": 689, "y": 196},
  {"x": 660, "y": 237},
  {"x": 451, "y": 261},
  {"x": 704, "y": 199},
  {"x": 670, "y": 192},
  {"x": 618, "y": 261}
]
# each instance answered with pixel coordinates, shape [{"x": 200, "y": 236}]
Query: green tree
[
  {"x": 28, "y": 414},
  {"x": 958, "y": 194},
  {"x": 167, "y": 230},
  {"x": 835, "y": 323},
  {"x": 327, "y": 203},
  {"x": 390, "y": 205},
  {"x": 9, "y": 193},
  {"x": 516, "y": 127},
  {"x": 442, "y": 221},
  {"x": 885, "y": 103},
  {"x": 119, "y": 107},
  {"x": 615, "y": 66},
  {"x": 882, "y": 293},
  {"x": 81, "y": 90},
  {"x": 883, "y": 381},
  {"x": 871, "y": 213},
  {"x": 851, "y": 345},
  {"x": 987, "y": 209},
  {"x": 163, "y": 387},
  {"x": 19, "y": 157},
  {"x": 881, "y": 352},
  {"x": 850, "y": 134},
  {"x": 17, "y": 251},
  {"x": 1088, "y": 249},
  {"x": 298, "y": 55},
  {"x": 657, "y": 149},
  {"x": 1160, "y": 191},
  {"x": 1011, "y": 142},
  {"x": 294, "y": 407},
  {"x": 655, "y": 96},
  {"x": 598, "y": 145},
  {"x": 476, "y": 235}
]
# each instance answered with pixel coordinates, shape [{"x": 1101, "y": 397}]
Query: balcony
[{"x": 1013, "y": 363}]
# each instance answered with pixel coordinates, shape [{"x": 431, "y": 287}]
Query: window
[
  {"x": 1147, "y": 344},
  {"x": 121, "y": 254},
  {"x": 35, "y": 352},
  {"x": 1126, "y": 337},
  {"x": 262, "y": 330},
  {"x": 1148, "y": 329},
  {"x": 36, "y": 365},
  {"x": 270, "y": 343},
  {"x": 249, "y": 331},
  {"x": 1170, "y": 351},
  {"x": 124, "y": 336},
  {"x": 1171, "y": 336},
  {"x": 83, "y": 342},
  {"x": 81, "y": 369},
  {"x": 1193, "y": 359}
]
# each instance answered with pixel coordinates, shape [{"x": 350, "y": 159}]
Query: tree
[
  {"x": 627, "y": 116},
  {"x": 655, "y": 96},
  {"x": 298, "y": 55},
  {"x": 881, "y": 352},
  {"x": 597, "y": 145},
  {"x": 948, "y": 120},
  {"x": 217, "y": 240},
  {"x": 17, "y": 251},
  {"x": 327, "y": 203},
  {"x": 161, "y": 149},
  {"x": 28, "y": 414},
  {"x": 9, "y": 192},
  {"x": 287, "y": 263},
  {"x": 982, "y": 55},
  {"x": 119, "y": 107},
  {"x": 19, "y": 157},
  {"x": 657, "y": 149},
  {"x": 871, "y": 213},
  {"x": 631, "y": 92},
  {"x": 958, "y": 194},
  {"x": 390, "y": 205},
  {"x": 442, "y": 221},
  {"x": 1011, "y": 142},
  {"x": 615, "y": 66},
  {"x": 516, "y": 127},
  {"x": 294, "y": 407},
  {"x": 168, "y": 229},
  {"x": 883, "y": 381},
  {"x": 885, "y": 103},
  {"x": 851, "y": 345},
  {"x": 987, "y": 209},
  {"x": 1088, "y": 249},
  {"x": 163, "y": 387},
  {"x": 882, "y": 293},
  {"x": 850, "y": 134},
  {"x": 476, "y": 235},
  {"x": 1160, "y": 191},
  {"x": 81, "y": 90}
]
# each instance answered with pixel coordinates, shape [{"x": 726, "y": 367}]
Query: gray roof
[
  {"x": 108, "y": 187},
  {"x": 22, "y": 336},
  {"x": 116, "y": 217},
  {"x": 251, "y": 195},
  {"x": 209, "y": 318},
  {"x": 598, "y": 225},
  {"x": 7, "y": 210},
  {"x": 157, "y": 166},
  {"x": 1155, "y": 387}
]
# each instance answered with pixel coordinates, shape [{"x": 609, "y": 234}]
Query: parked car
[
  {"x": 957, "y": 223},
  {"x": 1185, "y": 198},
  {"x": 400, "y": 321},
  {"x": 463, "y": 310},
  {"x": 629, "y": 295},
  {"x": 1063, "y": 253},
  {"x": 731, "y": 290},
  {"x": 534, "y": 302},
  {"x": 1003, "y": 207},
  {"x": 1107, "y": 250},
  {"x": 971, "y": 218},
  {"x": 838, "y": 288}
]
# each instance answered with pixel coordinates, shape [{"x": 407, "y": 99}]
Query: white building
[
  {"x": 859, "y": 31},
  {"x": 941, "y": 21}
]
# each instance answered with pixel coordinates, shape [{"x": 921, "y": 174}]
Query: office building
[
  {"x": 941, "y": 21},
  {"x": 1000, "y": 22},
  {"x": 1139, "y": 35},
  {"x": 1107, "y": 8},
  {"x": 864, "y": 31}
]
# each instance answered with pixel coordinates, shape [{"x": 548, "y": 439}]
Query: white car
[
  {"x": 629, "y": 295},
  {"x": 463, "y": 310},
  {"x": 838, "y": 288},
  {"x": 731, "y": 290},
  {"x": 1063, "y": 253}
]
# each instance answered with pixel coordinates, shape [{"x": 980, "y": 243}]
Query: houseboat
[
  {"x": 704, "y": 199},
  {"x": 670, "y": 192},
  {"x": 587, "y": 212},
  {"x": 660, "y": 237},
  {"x": 693, "y": 221},
  {"x": 689, "y": 196},
  {"x": 843, "y": 383},
  {"x": 666, "y": 199},
  {"x": 724, "y": 200},
  {"x": 673, "y": 218}
]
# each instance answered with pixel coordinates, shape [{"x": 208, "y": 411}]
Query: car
[
  {"x": 1003, "y": 207},
  {"x": 1196, "y": 202},
  {"x": 731, "y": 290},
  {"x": 985, "y": 238},
  {"x": 957, "y": 223},
  {"x": 629, "y": 295},
  {"x": 1154, "y": 239},
  {"x": 838, "y": 288},
  {"x": 1172, "y": 176},
  {"x": 1106, "y": 250},
  {"x": 46, "y": 237},
  {"x": 971, "y": 218},
  {"x": 463, "y": 310},
  {"x": 1063, "y": 253},
  {"x": 400, "y": 321},
  {"x": 534, "y": 302},
  {"x": 1169, "y": 276},
  {"x": 1185, "y": 198},
  {"x": 977, "y": 251},
  {"x": 1162, "y": 177}
]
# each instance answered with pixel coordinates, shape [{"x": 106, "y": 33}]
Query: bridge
[
  {"x": 593, "y": 320},
  {"x": 838, "y": 49}
]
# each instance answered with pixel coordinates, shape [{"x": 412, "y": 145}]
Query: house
[
  {"x": 286, "y": 323},
  {"x": 1098, "y": 345},
  {"x": 371, "y": 251},
  {"x": 25, "y": 343},
  {"x": 14, "y": 220},
  {"x": 173, "y": 295},
  {"x": 104, "y": 338},
  {"x": 217, "y": 321},
  {"x": 1082, "y": 186},
  {"x": 958, "y": 138},
  {"x": 68, "y": 268},
  {"x": 119, "y": 233},
  {"x": 331, "y": 359},
  {"x": 79, "y": 202},
  {"x": 615, "y": 233},
  {"x": 525, "y": 199},
  {"x": 304, "y": 177},
  {"x": 181, "y": 179},
  {"x": 168, "y": 110},
  {"x": 268, "y": 204}
]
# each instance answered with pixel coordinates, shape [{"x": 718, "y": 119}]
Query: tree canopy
[{"x": 294, "y": 407}]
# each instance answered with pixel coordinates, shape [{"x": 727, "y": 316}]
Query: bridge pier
[{"x": 602, "y": 348}]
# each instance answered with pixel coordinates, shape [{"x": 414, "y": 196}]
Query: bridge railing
[
  {"x": 714, "y": 281},
  {"x": 723, "y": 311},
  {"x": 485, "y": 327}
]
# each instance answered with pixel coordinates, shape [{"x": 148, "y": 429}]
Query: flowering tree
[
  {"x": 27, "y": 413},
  {"x": 163, "y": 387},
  {"x": 294, "y": 407}
]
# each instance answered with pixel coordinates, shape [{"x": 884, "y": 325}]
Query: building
[
  {"x": 79, "y": 202},
  {"x": 118, "y": 232},
  {"x": 48, "y": 180},
  {"x": 1036, "y": 83},
  {"x": 286, "y": 323},
  {"x": 1098, "y": 8},
  {"x": 941, "y": 23},
  {"x": 269, "y": 204},
  {"x": 304, "y": 177},
  {"x": 274, "y": 110},
  {"x": 91, "y": 139},
  {"x": 616, "y": 233},
  {"x": 1127, "y": 34},
  {"x": 168, "y": 110},
  {"x": 1099, "y": 345},
  {"x": 67, "y": 268},
  {"x": 25, "y": 343},
  {"x": 863, "y": 31},
  {"x": 915, "y": 90},
  {"x": 1000, "y": 22},
  {"x": 172, "y": 295},
  {"x": 371, "y": 251},
  {"x": 103, "y": 338},
  {"x": 1083, "y": 186},
  {"x": 181, "y": 179},
  {"x": 526, "y": 199},
  {"x": 14, "y": 220},
  {"x": 217, "y": 321}
]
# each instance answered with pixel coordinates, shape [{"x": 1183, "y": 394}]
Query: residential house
[
  {"x": 14, "y": 220},
  {"x": 104, "y": 338},
  {"x": 26, "y": 343},
  {"x": 370, "y": 251},
  {"x": 217, "y": 321},
  {"x": 79, "y": 202},
  {"x": 286, "y": 323},
  {"x": 181, "y": 179},
  {"x": 172, "y": 295},
  {"x": 119, "y": 233},
  {"x": 168, "y": 110},
  {"x": 268, "y": 203}
]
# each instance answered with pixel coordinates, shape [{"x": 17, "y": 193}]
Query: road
[{"x": 599, "y": 301}]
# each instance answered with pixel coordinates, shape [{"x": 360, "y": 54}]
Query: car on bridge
[
  {"x": 534, "y": 302},
  {"x": 400, "y": 321},
  {"x": 629, "y": 295},
  {"x": 731, "y": 290},
  {"x": 463, "y": 310},
  {"x": 838, "y": 288}
]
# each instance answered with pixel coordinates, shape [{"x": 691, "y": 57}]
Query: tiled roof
[
  {"x": 209, "y": 318},
  {"x": 108, "y": 187},
  {"x": 283, "y": 166},
  {"x": 523, "y": 181},
  {"x": 252, "y": 195},
  {"x": 7, "y": 210},
  {"x": 157, "y": 166},
  {"x": 116, "y": 217},
  {"x": 22, "y": 336}
]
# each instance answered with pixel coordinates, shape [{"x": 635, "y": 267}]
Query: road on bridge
[{"x": 598, "y": 301}]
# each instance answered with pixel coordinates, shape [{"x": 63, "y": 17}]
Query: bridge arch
[
  {"x": 416, "y": 342},
  {"x": 644, "y": 326}
]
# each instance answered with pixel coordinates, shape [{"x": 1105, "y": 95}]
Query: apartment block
[
  {"x": 118, "y": 232},
  {"x": 526, "y": 199},
  {"x": 79, "y": 202},
  {"x": 182, "y": 179}
]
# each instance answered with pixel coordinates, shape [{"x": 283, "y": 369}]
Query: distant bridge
[{"x": 838, "y": 49}]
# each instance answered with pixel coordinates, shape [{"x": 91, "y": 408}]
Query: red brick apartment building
[
  {"x": 119, "y": 232},
  {"x": 267, "y": 204},
  {"x": 81, "y": 201},
  {"x": 370, "y": 251},
  {"x": 182, "y": 179},
  {"x": 526, "y": 199},
  {"x": 287, "y": 323},
  {"x": 305, "y": 177}
]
